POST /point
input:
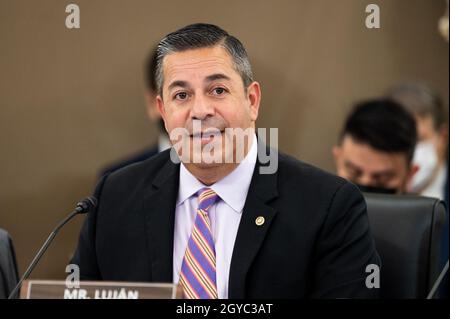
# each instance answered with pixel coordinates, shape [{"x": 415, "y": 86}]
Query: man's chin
[
  {"x": 206, "y": 159},
  {"x": 203, "y": 165}
]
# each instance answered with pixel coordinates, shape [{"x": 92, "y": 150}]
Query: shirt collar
[
  {"x": 163, "y": 142},
  {"x": 232, "y": 189}
]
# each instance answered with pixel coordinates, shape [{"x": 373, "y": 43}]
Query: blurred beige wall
[{"x": 71, "y": 100}]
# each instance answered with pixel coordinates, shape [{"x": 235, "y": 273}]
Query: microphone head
[{"x": 86, "y": 205}]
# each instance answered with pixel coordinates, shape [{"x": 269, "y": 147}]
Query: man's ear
[
  {"x": 254, "y": 96},
  {"x": 336, "y": 150},
  {"x": 161, "y": 109},
  {"x": 412, "y": 171},
  {"x": 150, "y": 102}
]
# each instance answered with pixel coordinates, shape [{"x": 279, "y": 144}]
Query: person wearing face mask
[
  {"x": 431, "y": 154},
  {"x": 376, "y": 147}
]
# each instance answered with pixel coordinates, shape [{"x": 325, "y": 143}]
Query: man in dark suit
[{"x": 225, "y": 229}]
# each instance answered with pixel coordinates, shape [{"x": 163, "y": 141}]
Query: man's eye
[
  {"x": 354, "y": 173},
  {"x": 219, "y": 91},
  {"x": 382, "y": 182},
  {"x": 181, "y": 96}
]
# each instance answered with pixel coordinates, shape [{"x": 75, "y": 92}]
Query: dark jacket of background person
[{"x": 8, "y": 266}]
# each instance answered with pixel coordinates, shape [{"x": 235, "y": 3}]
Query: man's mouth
[{"x": 207, "y": 136}]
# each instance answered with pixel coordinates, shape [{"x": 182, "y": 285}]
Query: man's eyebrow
[
  {"x": 386, "y": 173},
  {"x": 180, "y": 83},
  {"x": 216, "y": 76},
  {"x": 349, "y": 164},
  {"x": 209, "y": 78}
]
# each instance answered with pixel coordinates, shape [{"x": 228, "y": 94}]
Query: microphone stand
[{"x": 82, "y": 207}]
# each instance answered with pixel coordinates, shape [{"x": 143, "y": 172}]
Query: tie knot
[{"x": 206, "y": 198}]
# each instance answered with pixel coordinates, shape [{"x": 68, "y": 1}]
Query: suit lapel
[
  {"x": 159, "y": 211},
  {"x": 250, "y": 235}
]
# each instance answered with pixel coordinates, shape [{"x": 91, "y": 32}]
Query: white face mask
[{"x": 425, "y": 157}]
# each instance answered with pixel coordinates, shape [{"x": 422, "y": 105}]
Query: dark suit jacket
[
  {"x": 315, "y": 241},
  {"x": 8, "y": 265}
]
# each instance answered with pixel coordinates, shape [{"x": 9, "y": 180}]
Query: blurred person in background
[
  {"x": 376, "y": 147},
  {"x": 431, "y": 154},
  {"x": 152, "y": 111}
]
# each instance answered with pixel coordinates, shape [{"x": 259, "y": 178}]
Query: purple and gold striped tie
[{"x": 198, "y": 270}]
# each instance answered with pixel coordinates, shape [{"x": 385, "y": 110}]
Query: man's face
[
  {"x": 366, "y": 166},
  {"x": 202, "y": 84}
]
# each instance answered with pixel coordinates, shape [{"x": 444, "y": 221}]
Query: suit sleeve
[
  {"x": 345, "y": 248},
  {"x": 85, "y": 255}
]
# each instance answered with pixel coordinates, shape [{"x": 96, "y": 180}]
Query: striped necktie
[{"x": 198, "y": 270}]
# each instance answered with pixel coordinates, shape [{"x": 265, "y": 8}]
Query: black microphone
[{"x": 82, "y": 207}]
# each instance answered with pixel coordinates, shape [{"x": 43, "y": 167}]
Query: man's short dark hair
[
  {"x": 150, "y": 70},
  {"x": 384, "y": 125},
  {"x": 202, "y": 35}
]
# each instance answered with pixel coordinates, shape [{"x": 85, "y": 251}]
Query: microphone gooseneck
[{"x": 82, "y": 207}]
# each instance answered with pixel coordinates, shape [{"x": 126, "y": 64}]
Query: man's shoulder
[
  {"x": 297, "y": 171},
  {"x": 135, "y": 158},
  {"x": 290, "y": 171},
  {"x": 297, "y": 177},
  {"x": 141, "y": 172},
  {"x": 293, "y": 176}
]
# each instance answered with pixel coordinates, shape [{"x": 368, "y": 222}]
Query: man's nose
[{"x": 201, "y": 108}]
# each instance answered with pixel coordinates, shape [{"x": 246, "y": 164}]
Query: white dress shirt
[{"x": 225, "y": 215}]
